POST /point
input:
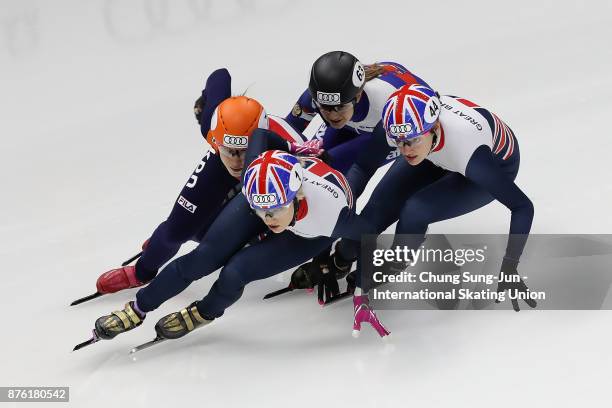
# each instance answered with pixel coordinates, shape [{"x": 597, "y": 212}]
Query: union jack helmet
[
  {"x": 410, "y": 112},
  {"x": 272, "y": 180}
]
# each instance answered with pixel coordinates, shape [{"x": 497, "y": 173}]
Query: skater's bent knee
[{"x": 232, "y": 275}]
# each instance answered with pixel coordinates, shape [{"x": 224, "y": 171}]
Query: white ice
[{"x": 98, "y": 137}]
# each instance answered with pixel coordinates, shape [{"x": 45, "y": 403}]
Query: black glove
[
  {"x": 198, "y": 106},
  {"x": 307, "y": 276},
  {"x": 317, "y": 273},
  {"x": 324, "y": 272},
  {"x": 326, "y": 157},
  {"x": 332, "y": 268},
  {"x": 516, "y": 284},
  {"x": 301, "y": 277},
  {"x": 328, "y": 285}
]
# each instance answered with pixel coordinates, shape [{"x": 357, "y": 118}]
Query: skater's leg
[
  {"x": 205, "y": 192},
  {"x": 386, "y": 202},
  {"x": 273, "y": 255},
  {"x": 387, "y": 199},
  {"x": 205, "y": 189},
  {"x": 232, "y": 230},
  {"x": 451, "y": 196}
]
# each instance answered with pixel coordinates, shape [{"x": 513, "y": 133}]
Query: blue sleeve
[
  {"x": 302, "y": 112},
  {"x": 218, "y": 88},
  {"x": 370, "y": 159},
  {"x": 483, "y": 170}
]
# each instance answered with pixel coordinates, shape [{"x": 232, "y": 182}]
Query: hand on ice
[
  {"x": 328, "y": 285},
  {"x": 365, "y": 314},
  {"x": 511, "y": 281}
]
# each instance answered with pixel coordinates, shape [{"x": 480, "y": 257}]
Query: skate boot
[
  {"x": 107, "y": 327},
  {"x": 178, "y": 324},
  {"x": 113, "y": 281},
  {"x": 118, "y": 279}
]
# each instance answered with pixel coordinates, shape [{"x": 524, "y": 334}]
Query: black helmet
[{"x": 336, "y": 78}]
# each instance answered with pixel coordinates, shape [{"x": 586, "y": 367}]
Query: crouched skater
[
  {"x": 226, "y": 122},
  {"x": 456, "y": 157},
  {"x": 304, "y": 203}
]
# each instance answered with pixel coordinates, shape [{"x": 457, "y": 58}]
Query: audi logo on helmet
[
  {"x": 265, "y": 199},
  {"x": 236, "y": 142},
  {"x": 328, "y": 98},
  {"x": 400, "y": 129}
]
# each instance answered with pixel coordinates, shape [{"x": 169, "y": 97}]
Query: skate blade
[
  {"x": 94, "y": 339},
  {"x": 337, "y": 298},
  {"x": 148, "y": 344},
  {"x": 278, "y": 292},
  {"x": 135, "y": 257},
  {"x": 86, "y": 298},
  {"x": 84, "y": 344}
]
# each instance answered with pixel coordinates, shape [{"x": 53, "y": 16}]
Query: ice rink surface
[{"x": 98, "y": 137}]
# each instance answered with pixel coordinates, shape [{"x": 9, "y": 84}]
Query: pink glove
[
  {"x": 311, "y": 148},
  {"x": 365, "y": 314}
]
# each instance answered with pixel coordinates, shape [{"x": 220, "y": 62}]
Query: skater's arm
[
  {"x": 263, "y": 140},
  {"x": 483, "y": 170},
  {"x": 370, "y": 159},
  {"x": 218, "y": 88},
  {"x": 302, "y": 112}
]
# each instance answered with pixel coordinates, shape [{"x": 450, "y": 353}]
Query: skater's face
[
  {"x": 233, "y": 160},
  {"x": 416, "y": 150},
  {"x": 338, "y": 116},
  {"x": 278, "y": 219}
]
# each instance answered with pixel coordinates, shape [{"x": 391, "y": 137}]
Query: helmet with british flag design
[
  {"x": 410, "y": 112},
  {"x": 272, "y": 180}
]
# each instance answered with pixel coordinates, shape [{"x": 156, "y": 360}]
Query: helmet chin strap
[
  {"x": 296, "y": 207},
  {"x": 434, "y": 141}
]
